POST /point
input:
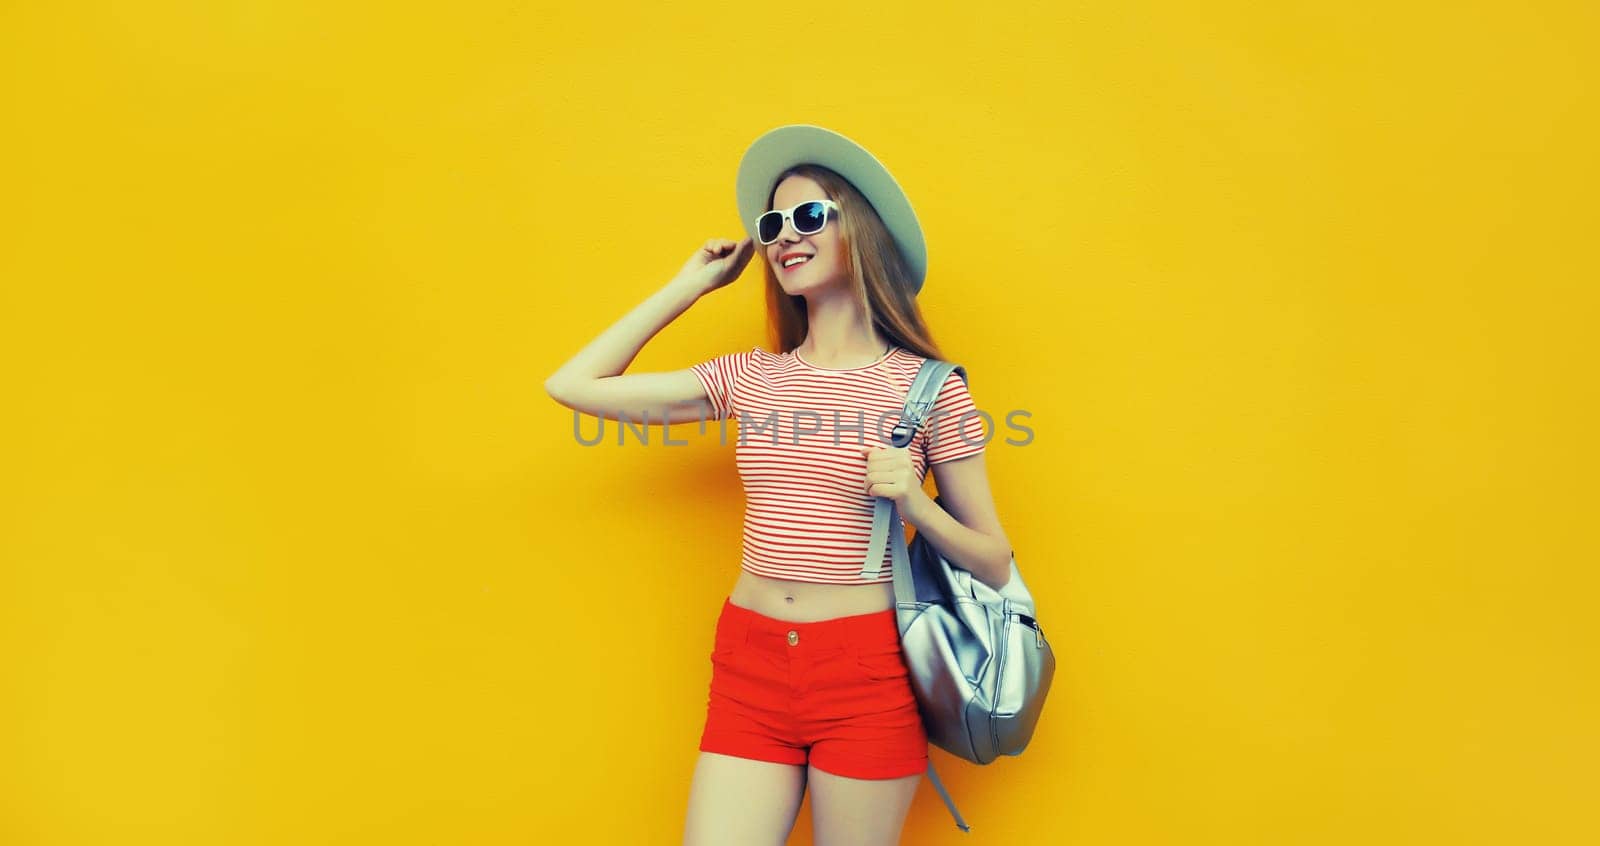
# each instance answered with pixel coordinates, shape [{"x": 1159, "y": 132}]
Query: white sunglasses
[{"x": 808, "y": 218}]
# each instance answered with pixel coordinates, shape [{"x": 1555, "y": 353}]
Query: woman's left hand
[{"x": 891, "y": 475}]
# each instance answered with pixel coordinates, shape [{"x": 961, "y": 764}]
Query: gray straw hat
[{"x": 780, "y": 149}]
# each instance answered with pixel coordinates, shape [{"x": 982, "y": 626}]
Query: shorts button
[{"x": 794, "y": 637}]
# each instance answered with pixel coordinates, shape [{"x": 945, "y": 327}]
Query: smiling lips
[{"x": 783, "y": 261}]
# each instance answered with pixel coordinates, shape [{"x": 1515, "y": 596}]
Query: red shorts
[{"x": 837, "y": 689}]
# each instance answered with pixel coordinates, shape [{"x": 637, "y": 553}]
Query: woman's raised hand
[{"x": 717, "y": 263}]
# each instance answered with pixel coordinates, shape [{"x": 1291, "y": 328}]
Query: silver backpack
[{"x": 980, "y": 666}]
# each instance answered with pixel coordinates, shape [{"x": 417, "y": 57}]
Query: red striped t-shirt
[{"x": 807, "y": 514}]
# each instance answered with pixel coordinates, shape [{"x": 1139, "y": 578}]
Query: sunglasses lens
[
  {"x": 768, "y": 226},
  {"x": 810, "y": 217}
]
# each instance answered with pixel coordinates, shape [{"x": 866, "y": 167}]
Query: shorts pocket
[
  {"x": 882, "y": 662},
  {"x": 727, "y": 640}
]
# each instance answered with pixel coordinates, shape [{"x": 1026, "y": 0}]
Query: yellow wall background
[{"x": 295, "y": 549}]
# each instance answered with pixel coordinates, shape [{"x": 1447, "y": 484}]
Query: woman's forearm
[
  {"x": 610, "y": 353},
  {"x": 988, "y": 559}
]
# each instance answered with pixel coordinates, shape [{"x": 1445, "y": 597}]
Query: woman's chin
[{"x": 798, "y": 287}]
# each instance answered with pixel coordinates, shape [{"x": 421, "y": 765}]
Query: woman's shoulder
[
  {"x": 912, "y": 360},
  {"x": 743, "y": 355},
  {"x": 955, "y": 382}
]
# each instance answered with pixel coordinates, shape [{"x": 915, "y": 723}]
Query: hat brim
[{"x": 780, "y": 149}]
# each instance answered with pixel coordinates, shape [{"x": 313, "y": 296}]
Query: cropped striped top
[{"x": 807, "y": 514}]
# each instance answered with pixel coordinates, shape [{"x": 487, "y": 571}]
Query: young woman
[{"x": 808, "y": 684}]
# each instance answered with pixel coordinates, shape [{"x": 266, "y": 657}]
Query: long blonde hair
[{"x": 879, "y": 277}]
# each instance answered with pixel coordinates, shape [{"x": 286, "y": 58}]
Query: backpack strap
[
  {"x": 887, "y": 527},
  {"x": 924, "y": 391},
  {"x": 939, "y": 786}
]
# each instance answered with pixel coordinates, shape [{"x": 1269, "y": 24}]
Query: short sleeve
[
  {"x": 953, "y": 428},
  {"x": 720, "y": 378}
]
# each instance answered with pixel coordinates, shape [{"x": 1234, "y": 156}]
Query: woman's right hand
[{"x": 717, "y": 263}]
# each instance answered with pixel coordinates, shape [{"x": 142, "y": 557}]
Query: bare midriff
[{"x": 805, "y": 602}]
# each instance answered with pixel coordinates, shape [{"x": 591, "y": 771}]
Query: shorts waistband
[{"x": 878, "y": 628}]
